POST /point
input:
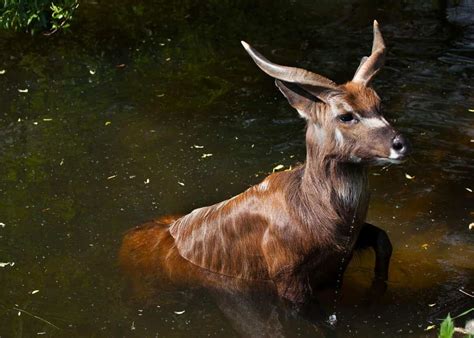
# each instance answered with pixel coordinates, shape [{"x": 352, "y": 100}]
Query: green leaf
[
  {"x": 447, "y": 328},
  {"x": 464, "y": 313},
  {"x": 31, "y": 18}
]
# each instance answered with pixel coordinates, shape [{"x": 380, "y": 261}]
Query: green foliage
[
  {"x": 447, "y": 328},
  {"x": 37, "y": 15}
]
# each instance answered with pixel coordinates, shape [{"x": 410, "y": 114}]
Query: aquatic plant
[
  {"x": 447, "y": 328},
  {"x": 38, "y": 15}
]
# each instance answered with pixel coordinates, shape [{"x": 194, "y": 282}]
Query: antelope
[{"x": 297, "y": 229}]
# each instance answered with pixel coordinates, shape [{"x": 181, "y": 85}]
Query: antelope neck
[{"x": 324, "y": 168}]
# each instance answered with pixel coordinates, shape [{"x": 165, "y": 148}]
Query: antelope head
[{"x": 345, "y": 121}]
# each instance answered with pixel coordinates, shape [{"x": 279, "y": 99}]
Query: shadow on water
[{"x": 118, "y": 115}]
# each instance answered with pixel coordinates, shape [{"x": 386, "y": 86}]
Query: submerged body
[{"x": 261, "y": 235}]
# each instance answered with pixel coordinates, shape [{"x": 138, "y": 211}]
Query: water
[{"x": 105, "y": 138}]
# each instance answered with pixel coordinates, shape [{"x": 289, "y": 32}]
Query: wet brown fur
[{"x": 292, "y": 229}]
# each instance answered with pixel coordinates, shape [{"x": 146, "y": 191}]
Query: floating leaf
[
  {"x": 409, "y": 177},
  {"x": 278, "y": 167},
  {"x": 431, "y": 327}
]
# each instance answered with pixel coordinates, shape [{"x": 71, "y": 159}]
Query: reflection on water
[{"x": 116, "y": 114}]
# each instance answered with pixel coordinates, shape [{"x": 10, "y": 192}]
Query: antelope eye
[{"x": 348, "y": 117}]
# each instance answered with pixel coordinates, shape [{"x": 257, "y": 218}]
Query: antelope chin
[
  {"x": 387, "y": 160},
  {"x": 393, "y": 158},
  {"x": 355, "y": 159}
]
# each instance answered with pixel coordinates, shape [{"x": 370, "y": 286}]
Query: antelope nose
[{"x": 400, "y": 145}]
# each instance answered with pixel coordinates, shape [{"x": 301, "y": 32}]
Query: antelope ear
[{"x": 299, "y": 99}]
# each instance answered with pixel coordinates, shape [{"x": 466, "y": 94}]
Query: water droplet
[{"x": 332, "y": 320}]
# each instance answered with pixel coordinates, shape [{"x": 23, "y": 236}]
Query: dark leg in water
[{"x": 377, "y": 239}]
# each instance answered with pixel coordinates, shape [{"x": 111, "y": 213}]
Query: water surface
[{"x": 118, "y": 114}]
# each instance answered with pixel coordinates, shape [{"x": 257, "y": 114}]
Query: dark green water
[{"x": 115, "y": 109}]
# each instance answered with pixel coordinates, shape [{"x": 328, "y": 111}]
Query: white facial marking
[
  {"x": 339, "y": 137},
  {"x": 394, "y": 158},
  {"x": 375, "y": 122},
  {"x": 394, "y": 155},
  {"x": 302, "y": 114}
]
